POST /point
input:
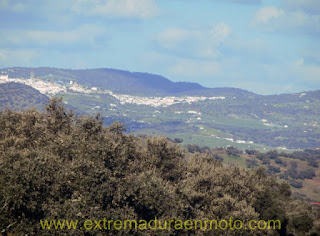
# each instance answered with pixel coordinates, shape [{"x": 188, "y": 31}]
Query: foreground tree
[{"x": 57, "y": 165}]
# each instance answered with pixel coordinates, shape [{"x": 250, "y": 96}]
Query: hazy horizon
[{"x": 300, "y": 91}]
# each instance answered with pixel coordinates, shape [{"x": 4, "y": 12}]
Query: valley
[{"x": 218, "y": 117}]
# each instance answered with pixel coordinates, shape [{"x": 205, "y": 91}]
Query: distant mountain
[
  {"x": 152, "y": 104},
  {"x": 124, "y": 82},
  {"x": 20, "y": 97}
]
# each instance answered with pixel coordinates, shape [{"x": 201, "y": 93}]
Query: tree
[{"x": 56, "y": 165}]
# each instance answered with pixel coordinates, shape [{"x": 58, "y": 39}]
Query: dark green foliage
[
  {"x": 251, "y": 152},
  {"x": 293, "y": 165},
  {"x": 307, "y": 174},
  {"x": 232, "y": 151},
  {"x": 292, "y": 171},
  {"x": 273, "y": 169},
  {"x": 218, "y": 157},
  {"x": 272, "y": 154},
  {"x": 212, "y": 152},
  {"x": 260, "y": 156},
  {"x": 266, "y": 161},
  {"x": 284, "y": 176},
  {"x": 57, "y": 165},
  {"x": 16, "y": 96},
  {"x": 251, "y": 163},
  {"x": 279, "y": 161},
  {"x": 313, "y": 163},
  {"x": 176, "y": 140},
  {"x": 196, "y": 148},
  {"x": 295, "y": 183}
]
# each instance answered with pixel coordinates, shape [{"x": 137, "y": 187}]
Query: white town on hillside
[{"x": 50, "y": 89}]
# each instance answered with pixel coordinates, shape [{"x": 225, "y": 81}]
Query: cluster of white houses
[
  {"x": 44, "y": 87},
  {"x": 51, "y": 89},
  {"x": 160, "y": 101}
]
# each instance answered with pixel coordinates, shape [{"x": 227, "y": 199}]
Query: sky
[{"x": 264, "y": 46}]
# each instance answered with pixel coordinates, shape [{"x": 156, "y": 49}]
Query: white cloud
[
  {"x": 265, "y": 14},
  {"x": 86, "y": 34},
  {"x": 276, "y": 19},
  {"x": 215, "y": 43},
  {"x": 197, "y": 43},
  {"x": 220, "y": 32},
  {"x": 173, "y": 36},
  {"x": 140, "y": 9}
]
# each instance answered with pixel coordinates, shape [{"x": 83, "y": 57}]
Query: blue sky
[{"x": 265, "y": 46}]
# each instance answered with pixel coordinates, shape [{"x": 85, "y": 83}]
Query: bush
[
  {"x": 313, "y": 163},
  {"x": 273, "y": 169},
  {"x": 232, "y": 151},
  {"x": 307, "y": 174},
  {"x": 57, "y": 165},
  {"x": 251, "y": 163},
  {"x": 296, "y": 184},
  {"x": 278, "y": 161},
  {"x": 251, "y": 152}
]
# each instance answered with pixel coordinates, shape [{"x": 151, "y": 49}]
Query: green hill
[
  {"x": 233, "y": 117},
  {"x": 17, "y": 97},
  {"x": 120, "y": 81}
]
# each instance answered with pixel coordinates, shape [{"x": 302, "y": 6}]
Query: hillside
[
  {"x": 68, "y": 167},
  {"x": 19, "y": 97},
  {"x": 151, "y": 104},
  {"x": 16, "y": 96},
  {"x": 125, "y": 82},
  {"x": 301, "y": 169}
]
